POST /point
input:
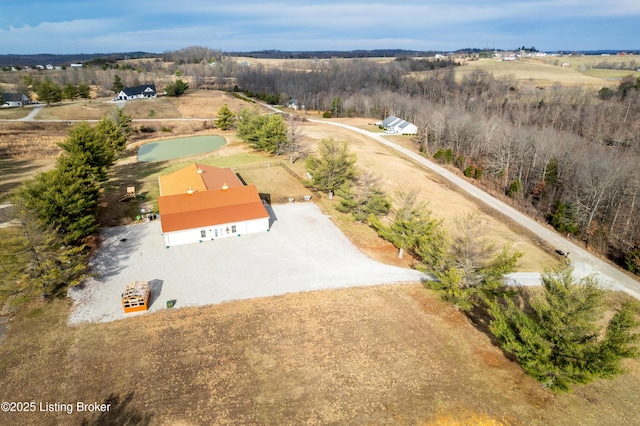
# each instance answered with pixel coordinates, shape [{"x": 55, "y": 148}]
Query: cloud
[{"x": 72, "y": 26}]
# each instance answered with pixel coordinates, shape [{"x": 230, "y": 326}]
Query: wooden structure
[{"x": 136, "y": 297}]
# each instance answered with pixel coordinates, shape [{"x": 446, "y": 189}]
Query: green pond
[{"x": 178, "y": 148}]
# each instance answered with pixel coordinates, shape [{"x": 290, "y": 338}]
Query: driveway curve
[
  {"x": 303, "y": 251},
  {"x": 584, "y": 262}
]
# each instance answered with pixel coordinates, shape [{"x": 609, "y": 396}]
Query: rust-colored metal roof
[
  {"x": 208, "y": 208},
  {"x": 198, "y": 178}
]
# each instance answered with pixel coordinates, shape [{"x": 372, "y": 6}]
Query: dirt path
[{"x": 583, "y": 261}]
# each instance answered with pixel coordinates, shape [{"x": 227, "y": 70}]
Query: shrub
[{"x": 146, "y": 129}]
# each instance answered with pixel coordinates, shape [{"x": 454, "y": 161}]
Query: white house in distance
[
  {"x": 200, "y": 203},
  {"x": 12, "y": 100},
  {"x": 397, "y": 125},
  {"x": 144, "y": 91}
]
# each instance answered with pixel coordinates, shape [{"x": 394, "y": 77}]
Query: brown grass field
[{"x": 379, "y": 355}]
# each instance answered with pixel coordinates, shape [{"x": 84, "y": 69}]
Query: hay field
[{"x": 533, "y": 73}]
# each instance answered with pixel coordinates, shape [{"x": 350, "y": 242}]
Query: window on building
[
  {"x": 203, "y": 234},
  {"x": 233, "y": 228}
]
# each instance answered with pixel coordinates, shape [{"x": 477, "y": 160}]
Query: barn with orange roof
[{"x": 201, "y": 203}]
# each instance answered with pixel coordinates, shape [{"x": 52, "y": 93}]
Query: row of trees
[
  {"x": 56, "y": 211},
  {"x": 268, "y": 133},
  {"x": 559, "y": 336},
  {"x": 50, "y": 92}
]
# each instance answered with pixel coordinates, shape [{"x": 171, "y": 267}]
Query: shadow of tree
[{"x": 120, "y": 413}]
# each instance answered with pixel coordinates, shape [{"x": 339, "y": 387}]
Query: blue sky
[{"x": 81, "y": 26}]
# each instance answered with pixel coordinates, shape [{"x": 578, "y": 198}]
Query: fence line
[{"x": 277, "y": 164}]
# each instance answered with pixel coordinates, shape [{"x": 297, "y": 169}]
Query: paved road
[{"x": 584, "y": 261}]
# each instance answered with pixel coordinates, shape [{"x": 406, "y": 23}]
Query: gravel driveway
[{"x": 303, "y": 251}]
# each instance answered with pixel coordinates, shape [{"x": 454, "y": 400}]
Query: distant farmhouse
[
  {"x": 200, "y": 203},
  {"x": 394, "y": 124},
  {"x": 144, "y": 91},
  {"x": 12, "y": 100}
]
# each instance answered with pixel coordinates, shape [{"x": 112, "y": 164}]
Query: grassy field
[
  {"x": 376, "y": 355},
  {"x": 92, "y": 109},
  {"x": 534, "y": 73},
  {"x": 13, "y": 113}
]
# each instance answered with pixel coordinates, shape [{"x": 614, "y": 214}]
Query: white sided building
[
  {"x": 397, "y": 125},
  {"x": 202, "y": 203}
]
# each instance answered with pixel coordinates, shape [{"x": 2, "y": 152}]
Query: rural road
[{"x": 584, "y": 262}]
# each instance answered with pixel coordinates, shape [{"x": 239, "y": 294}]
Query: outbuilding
[{"x": 393, "y": 124}]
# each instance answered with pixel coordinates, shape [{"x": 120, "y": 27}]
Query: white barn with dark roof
[{"x": 400, "y": 126}]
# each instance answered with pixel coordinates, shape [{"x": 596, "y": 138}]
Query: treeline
[
  {"x": 55, "y": 212},
  {"x": 562, "y": 153}
]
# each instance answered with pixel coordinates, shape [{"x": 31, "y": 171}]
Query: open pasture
[
  {"x": 84, "y": 109},
  {"x": 533, "y": 73}
]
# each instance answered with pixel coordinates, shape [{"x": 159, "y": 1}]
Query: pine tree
[
  {"x": 48, "y": 91},
  {"x": 559, "y": 340},
  {"x": 334, "y": 165},
  {"x": 69, "y": 91},
  {"x": 41, "y": 263},
  {"x": 472, "y": 271},
  {"x": 272, "y": 135},
  {"x": 411, "y": 221},
  {"x": 363, "y": 197},
  {"x": 84, "y": 91},
  {"x": 226, "y": 119},
  {"x": 65, "y": 197},
  {"x": 117, "y": 85}
]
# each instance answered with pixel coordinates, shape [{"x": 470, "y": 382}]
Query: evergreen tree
[
  {"x": 363, "y": 197},
  {"x": 117, "y": 85},
  {"x": 472, "y": 271},
  {"x": 411, "y": 222},
  {"x": 176, "y": 89},
  {"x": 249, "y": 122},
  {"x": 84, "y": 91},
  {"x": 64, "y": 198},
  {"x": 226, "y": 119},
  {"x": 99, "y": 146},
  {"x": 69, "y": 91},
  {"x": 272, "y": 135},
  {"x": 334, "y": 165},
  {"x": 263, "y": 132},
  {"x": 559, "y": 339},
  {"x": 48, "y": 91}
]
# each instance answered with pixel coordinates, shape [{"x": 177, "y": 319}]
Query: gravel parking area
[{"x": 303, "y": 251}]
